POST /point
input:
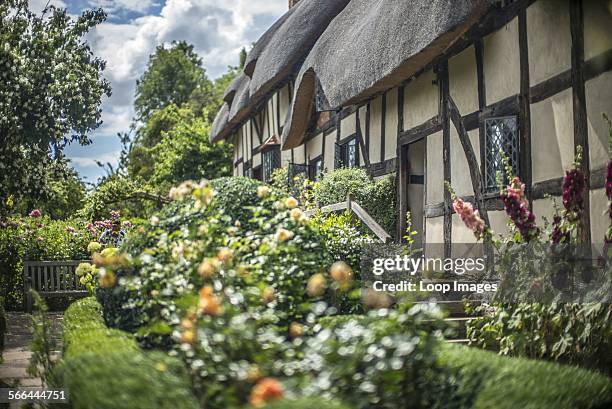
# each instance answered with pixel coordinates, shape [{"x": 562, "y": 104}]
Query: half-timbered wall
[{"x": 541, "y": 63}]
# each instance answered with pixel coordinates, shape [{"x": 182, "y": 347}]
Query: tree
[
  {"x": 64, "y": 196},
  {"x": 51, "y": 87},
  {"x": 174, "y": 75}
]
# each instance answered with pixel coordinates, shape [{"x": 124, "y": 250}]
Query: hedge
[
  {"x": 2, "y": 325},
  {"x": 474, "y": 378},
  {"x": 483, "y": 379},
  {"x": 306, "y": 403},
  {"x": 104, "y": 368}
]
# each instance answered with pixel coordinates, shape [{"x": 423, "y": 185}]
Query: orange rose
[
  {"x": 266, "y": 390},
  {"x": 341, "y": 273},
  {"x": 209, "y": 303}
]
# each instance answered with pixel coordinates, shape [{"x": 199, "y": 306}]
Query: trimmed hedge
[
  {"x": 2, "y": 325},
  {"x": 477, "y": 379},
  {"x": 306, "y": 403},
  {"x": 483, "y": 379},
  {"x": 104, "y": 368}
]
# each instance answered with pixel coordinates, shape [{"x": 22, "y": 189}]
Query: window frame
[
  {"x": 515, "y": 156},
  {"x": 312, "y": 165},
  {"x": 342, "y": 152}
]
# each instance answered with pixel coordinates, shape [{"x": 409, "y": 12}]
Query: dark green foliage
[
  {"x": 172, "y": 76},
  {"x": 376, "y": 197},
  {"x": 2, "y": 325},
  {"x": 482, "y": 379},
  {"x": 43, "y": 344},
  {"x": 306, "y": 403},
  {"x": 579, "y": 334},
  {"x": 104, "y": 368},
  {"x": 234, "y": 196}
]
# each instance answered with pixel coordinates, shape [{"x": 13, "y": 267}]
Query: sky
[{"x": 217, "y": 28}]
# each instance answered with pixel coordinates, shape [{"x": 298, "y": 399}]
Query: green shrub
[
  {"x": 378, "y": 198},
  {"x": 306, "y": 403},
  {"x": 482, "y": 379},
  {"x": 234, "y": 196},
  {"x": 104, "y": 368},
  {"x": 38, "y": 238},
  {"x": 579, "y": 334}
]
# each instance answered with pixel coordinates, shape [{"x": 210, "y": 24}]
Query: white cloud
[
  {"x": 217, "y": 29},
  {"x": 90, "y": 162},
  {"x": 38, "y": 6}
]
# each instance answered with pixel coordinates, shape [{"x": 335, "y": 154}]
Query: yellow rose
[
  {"x": 268, "y": 295},
  {"x": 296, "y": 214},
  {"x": 263, "y": 191},
  {"x": 341, "y": 273},
  {"x": 207, "y": 268},
  {"x": 107, "y": 278},
  {"x": 316, "y": 285},
  {"x": 296, "y": 330},
  {"x": 283, "y": 235},
  {"x": 291, "y": 202}
]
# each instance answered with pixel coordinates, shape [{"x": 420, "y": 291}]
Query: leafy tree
[
  {"x": 173, "y": 76},
  {"x": 64, "y": 196},
  {"x": 185, "y": 152},
  {"x": 51, "y": 87}
]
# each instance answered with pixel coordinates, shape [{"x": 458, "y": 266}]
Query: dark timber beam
[
  {"x": 362, "y": 145},
  {"x": 579, "y": 105},
  {"x": 472, "y": 161},
  {"x": 446, "y": 159},
  {"x": 524, "y": 107}
]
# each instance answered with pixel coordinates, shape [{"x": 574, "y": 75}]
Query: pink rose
[{"x": 35, "y": 213}]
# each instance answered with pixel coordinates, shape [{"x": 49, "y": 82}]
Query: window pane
[
  {"x": 351, "y": 147},
  {"x": 501, "y": 135}
]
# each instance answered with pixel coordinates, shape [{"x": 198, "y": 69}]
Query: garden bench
[{"x": 51, "y": 279}]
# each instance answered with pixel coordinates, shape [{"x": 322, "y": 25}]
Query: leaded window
[
  {"x": 315, "y": 168},
  {"x": 501, "y": 138},
  {"x": 271, "y": 161},
  {"x": 347, "y": 154}
]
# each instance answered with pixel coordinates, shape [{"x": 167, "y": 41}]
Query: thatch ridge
[{"x": 374, "y": 45}]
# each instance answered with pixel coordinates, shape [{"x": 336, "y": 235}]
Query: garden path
[{"x": 16, "y": 355}]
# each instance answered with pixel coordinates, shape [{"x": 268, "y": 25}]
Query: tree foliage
[
  {"x": 173, "y": 76},
  {"x": 51, "y": 87}
]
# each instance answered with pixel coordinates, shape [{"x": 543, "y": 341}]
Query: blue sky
[{"x": 217, "y": 28}]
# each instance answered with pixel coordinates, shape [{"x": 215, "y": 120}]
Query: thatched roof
[
  {"x": 374, "y": 45},
  {"x": 288, "y": 44},
  {"x": 276, "y": 56},
  {"x": 219, "y": 123}
]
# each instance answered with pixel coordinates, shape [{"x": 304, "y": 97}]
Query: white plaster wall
[
  {"x": 239, "y": 170},
  {"x": 271, "y": 113},
  {"x": 434, "y": 230},
  {"x": 330, "y": 147},
  {"x": 598, "y": 100},
  {"x": 285, "y": 100},
  {"x": 499, "y": 222},
  {"x": 434, "y": 173},
  {"x": 552, "y": 136},
  {"x": 460, "y": 233},
  {"x": 420, "y": 100},
  {"x": 544, "y": 210},
  {"x": 285, "y": 157},
  {"x": 599, "y": 219},
  {"x": 501, "y": 63},
  {"x": 460, "y": 170},
  {"x": 391, "y": 124},
  {"x": 463, "y": 81},
  {"x": 549, "y": 39},
  {"x": 375, "y": 127},
  {"x": 362, "y": 123},
  {"x": 347, "y": 128},
  {"x": 597, "y": 27},
  {"x": 314, "y": 147},
  {"x": 256, "y": 160},
  {"x": 299, "y": 154}
]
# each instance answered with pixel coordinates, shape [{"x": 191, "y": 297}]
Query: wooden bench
[{"x": 51, "y": 279}]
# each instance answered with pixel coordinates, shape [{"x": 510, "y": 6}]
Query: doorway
[{"x": 412, "y": 189}]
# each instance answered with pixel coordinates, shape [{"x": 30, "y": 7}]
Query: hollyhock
[
  {"x": 517, "y": 208},
  {"x": 574, "y": 187},
  {"x": 558, "y": 235},
  {"x": 35, "y": 213},
  {"x": 114, "y": 214},
  {"x": 470, "y": 217}
]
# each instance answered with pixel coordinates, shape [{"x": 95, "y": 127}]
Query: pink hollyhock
[
  {"x": 574, "y": 188},
  {"x": 114, "y": 214},
  {"x": 127, "y": 224},
  {"x": 517, "y": 208},
  {"x": 470, "y": 217},
  {"x": 35, "y": 213}
]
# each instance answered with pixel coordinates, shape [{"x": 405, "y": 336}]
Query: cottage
[{"x": 431, "y": 91}]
